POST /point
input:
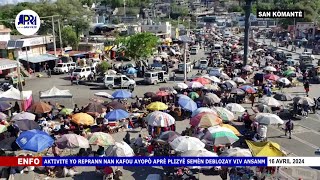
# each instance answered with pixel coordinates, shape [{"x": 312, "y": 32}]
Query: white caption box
[{"x": 294, "y": 161}]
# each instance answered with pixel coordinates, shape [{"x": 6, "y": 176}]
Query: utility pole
[
  {"x": 60, "y": 38},
  {"x": 246, "y": 31},
  {"x": 293, "y": 34},
  {"x": 185, "y": 61},
  {"x": 124, "y": 8},
  {"x": 54, "y": 37}
]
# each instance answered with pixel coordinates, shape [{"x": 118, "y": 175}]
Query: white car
[
  {"x": 82, "y": 72},
  {"x": 307, "y": 54},
  {"x": 64, "y": 67}
]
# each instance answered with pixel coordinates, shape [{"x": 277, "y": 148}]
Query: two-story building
[{"x": 161, "y": 28}]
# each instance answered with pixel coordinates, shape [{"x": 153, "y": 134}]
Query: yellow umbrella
[
  {"x": 232, "y": 128},
  {"x": 265, "y": 149},
  {"x": 157, "y": 106},
  {"x": 83, "y": 119}
]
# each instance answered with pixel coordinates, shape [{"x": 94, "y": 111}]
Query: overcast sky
[{"x": 2, "y": 2}]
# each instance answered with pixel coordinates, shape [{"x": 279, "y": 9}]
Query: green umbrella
[
  {"x": 288, "y": 72},
  {"x": 193, "y": 95},
  {"x": 66, "y": 111},
  {"x": 220, "y": 136},
  {"x": 3, "y": 128}
]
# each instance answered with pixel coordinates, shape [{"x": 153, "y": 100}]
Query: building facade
[{"x": 157, "y": 28}]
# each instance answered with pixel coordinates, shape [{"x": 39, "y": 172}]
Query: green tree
[
  {"x": 139, "y": 45},
  {"x": 103, "y": 67},
  {"x": 69, "y": 37}
]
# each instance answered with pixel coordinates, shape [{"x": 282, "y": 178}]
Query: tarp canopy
[
  {"x": 55, "y": 93},
  {"x": 265, "y": 149},
  {"x": 13, "y": 94},
  {"x": 40, "y": 58}
]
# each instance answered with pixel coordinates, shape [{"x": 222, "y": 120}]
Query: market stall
[{"x": 13, "y": 94}]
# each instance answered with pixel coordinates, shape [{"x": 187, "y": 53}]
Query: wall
[
  {"x": 4, "y": 36},
  {"x": 157, "y": 28}
]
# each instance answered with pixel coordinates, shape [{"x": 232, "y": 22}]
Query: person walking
[
  {"x": 289, "y": 128},
  {"x": 306, "y": 86}
]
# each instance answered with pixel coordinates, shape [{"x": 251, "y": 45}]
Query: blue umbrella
[
  {"x": 116, "y": 115},
  {"x": 187, "y": 103},
  {"x": 131, "y": 70},
  {"x": 4, "y": 106},
  {"x": 34, "y": 140},
  {"x": 121, "y": 94}
]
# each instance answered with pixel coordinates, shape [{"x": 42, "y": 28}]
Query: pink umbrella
[
  {"x": 162, "y": 93},
  {"x": 271, "y": 77}
]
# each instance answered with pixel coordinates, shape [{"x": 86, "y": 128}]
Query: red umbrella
[
  {"x": 162, "y": 93},
  {"x": 202, "y": 80},
  {"x": 271, "y": 77}
]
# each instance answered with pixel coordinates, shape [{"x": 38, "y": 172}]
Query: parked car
[
  {"x": 82, "y": 72},
  {"x": 118, "y": 81},
  {"x": 155, "y": 77},
  {"x": 64, "y": 67}
]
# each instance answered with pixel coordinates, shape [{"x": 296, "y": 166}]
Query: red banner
[{"x": 20, "y": 161}]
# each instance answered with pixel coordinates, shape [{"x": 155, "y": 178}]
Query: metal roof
[{"x": 39, "y": 58}]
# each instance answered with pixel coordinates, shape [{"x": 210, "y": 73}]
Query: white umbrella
[
  {"x": 163, "y": 55},
  {"x": 224, "y": 76},
  {"x": 24, "y": 115},
  {"x": 270, "y": 101},
  {"x": 270, "y": 68},
  {"x": 247, "y": 68},
  {"x": 234, "y": 107},
  {"x": 186, "y": 143},
  {"x": 111, "y": 72},
  {"x": 284, "y": 81},
  {"x": 212, "y": 78},
  {"x": 180, "y": 86},
  {"x": 255, "y": 65},
  {"x": 158, "y": 59},
  {"x": 103, "y": 94},
  {"x": 269, "y": 57},
  {"x": 239, "y": 80},
  {"x": 72, "y": 141},
  {"x": 199, "y": 153},
  {"x": 211, "y": 98},
  {"x": 224, "y": 114},
  {"x": 213, "y": 87},
  {"x": 268, "y": 119},
  {"x": 260, "y": 49},
  {"x": 119, "y": 149},
  {"x": 236, "y": 152},
  {"x": 306, "y": 101},
  {"x": 201, "y": 110},
  {"x": 194, "y": 84},
  {"x": 234, "y": 84},
  {"x": 160, "y": 119}
]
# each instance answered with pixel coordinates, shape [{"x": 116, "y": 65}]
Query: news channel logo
[{"x": 27, "y": 22}]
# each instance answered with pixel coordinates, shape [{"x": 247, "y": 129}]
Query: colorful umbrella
[
  {"x": 288, "y": 72},
  {"x": 162, "y": 93},
  {"x": 115, "y": 105},
  {"x": 187, "y": 103},
  {"x": 121, "y": 94},
  {"x": 34, "y": 140},
  {"x": 219, "y": 136},
  {"x": 193, "y": 95},
  {"x": 271, "y": 77},
  {"x": 3, "y": 128},
  {"x": 203, "y": 109},
  {"x": 157, "y": 106},
  {"x": 237, "y": 91},
  {"x": 149, "y": 94},
  {"x": 160, "y": 119},
  {"x": 234, "y": 107},
  {"x": 168, "y": 136},
  {"x": 40, "y": 108},
  {"x": 186, "y": 143},
  {"x": 25, "y": 125},
  {"x": 232, "y": 128},
  {"x": 66, "y": 111},
  {"x": 202, "y": 80},
  {"x": 72, "y": 141},
  {"x": 195, "y": 85},
  {"x": 269, "y": 101},
  {"x": 93, "y": 108},
  {"x": 24, "y": 115},
  {"x": 248, "y": 89},
  {"x": 4, "y": 106},
  {"x": 116, "y": 115},
  {"x": 205, "y": 120},
  {"x": 224, "y": 114},
  {"x": 119, "y": 149},
  {"x": 236, "y": 152},
  {"x": 101, "y": 139},
  {"x": 83, "y": 119}
]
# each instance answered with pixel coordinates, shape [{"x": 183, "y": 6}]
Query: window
[
  {"x": 147, "y": 75},
  {"x": 59, "y": 65},
  {"x": 109, "y": 78},
  {"x": 150, "y": 28},
  {"x": 156, "y": 28},
  {"x": 77, "y": 70},
  {"x": 125, "y": 79},
  {"x": 68, "y": 65},
  {"x": 88, "y": 69}
]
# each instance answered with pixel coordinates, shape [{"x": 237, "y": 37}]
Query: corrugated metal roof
[{"x": 40, "y": 58}]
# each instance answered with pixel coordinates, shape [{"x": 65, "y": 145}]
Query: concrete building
[
  {"x": 133, "y": 29},
  {"x": 157, "y": 28},
  {"x": 4, "y": 38}
]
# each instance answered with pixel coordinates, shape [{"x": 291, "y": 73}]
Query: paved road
[{"x": 304, "y": 142}]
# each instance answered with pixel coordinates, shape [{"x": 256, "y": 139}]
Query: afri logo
[{"x": 27, "y": 22}]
